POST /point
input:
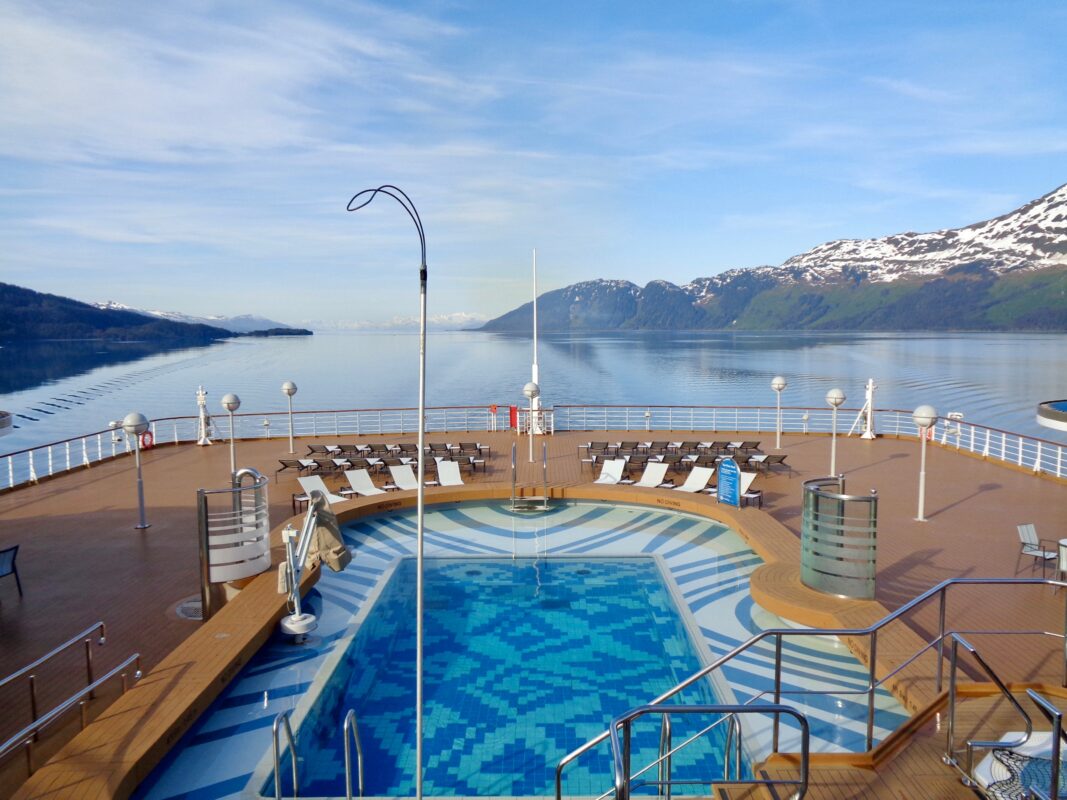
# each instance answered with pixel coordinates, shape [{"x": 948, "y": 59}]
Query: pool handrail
[
  {"x": 620, "y": 751},
  {"x": 939, "y": 591}
]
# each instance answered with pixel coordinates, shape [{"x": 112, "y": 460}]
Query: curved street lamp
[
  {"x": 924, "y": 417},
  {"x": 289, "y": 389},
  {"x": 358, "y": 201},
  {"x": 532, "y": 392},
  {"x": 835, "y": 397},
  {"x": 231, "y": 403},
  {"x": 135, "y": 424},
  {"x": 778, "y": 383}
]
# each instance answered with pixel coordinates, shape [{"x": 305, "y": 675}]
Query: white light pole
[
  {"x": 231, "y": 403},
  {"x": 420, "y": 492},
  {"x": 778, "y": 383},
  {"x": 835, "y": 397},
  {"x": 924, "y": 418},
  {"x": 532, "y": 392},
  {"x": 135, "y": 424},
  {"x": 289, "y": 389}
]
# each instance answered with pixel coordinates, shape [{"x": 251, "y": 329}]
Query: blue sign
[{"x": 729, "y": 482}]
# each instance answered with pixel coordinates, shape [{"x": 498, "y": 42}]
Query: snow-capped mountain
[
  {"x": 1008, "y": 273},
  {"x": 244, "y": 323}
]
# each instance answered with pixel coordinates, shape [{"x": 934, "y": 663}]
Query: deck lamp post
[
  {"x": 778, "y": 383},
  {"x": 835, "y": 397},
  {"x": 358, "y": 201},
  {"x": 924, "y": 417},
  {"x": 136, "y": 424},
  {"x": 289, "y": 389},
  {"x": 231, "y": 403},
  {"x": 532, "y": 392}
]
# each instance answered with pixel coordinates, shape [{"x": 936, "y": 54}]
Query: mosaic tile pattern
[
  {"x": 527, "y": 660},
  {"x": 709, "y": 564}
]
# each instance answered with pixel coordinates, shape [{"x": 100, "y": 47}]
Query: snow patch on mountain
[{"x": 243, "y": 323}]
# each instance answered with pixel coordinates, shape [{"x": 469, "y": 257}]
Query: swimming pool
[
  {"x": 526, "y": 660},
  {"x": 704, "y": 563}
]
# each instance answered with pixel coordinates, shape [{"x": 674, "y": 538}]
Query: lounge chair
[
  {"x": 291, "y": 463},
  {"x": 361, "y": 484},
  {"x": 318, "y": 450},
  {"x": 773, "y": 460},
  {"x": 748, "y": 447},
  {"x": 653, "y": 476},
  {"x": 312, "y": 483},
  {"x": 697, "y": 480},
  {"x": 7, "y": 565},
  {"x": 612, "y": 471},
  {"x": 404, "y": 478},
  {"x": 627, "y": 448},
  {"x": 689, "y": 447},
  {"x": 657, "y": 448},
  {"x": 1033, "y": 546},
  {"x": 448, "y": 474}
]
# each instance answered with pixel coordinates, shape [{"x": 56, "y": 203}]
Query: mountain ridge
[{"x": 1006, "y": 273}]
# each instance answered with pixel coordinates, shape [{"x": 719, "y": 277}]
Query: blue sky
[{"x": 198, "y": 156}]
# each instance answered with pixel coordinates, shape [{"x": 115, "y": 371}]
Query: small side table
[{"x": 753, "y": 497}]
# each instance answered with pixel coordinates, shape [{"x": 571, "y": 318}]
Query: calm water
[{"x": 994, "y": 379}]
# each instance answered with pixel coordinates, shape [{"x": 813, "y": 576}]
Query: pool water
[{"x": 525, "y": 661}]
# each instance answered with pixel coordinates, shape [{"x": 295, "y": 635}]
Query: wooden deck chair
[
  {"x": 697, "y": 480},
  {"x": 612, "y": 471},
  {"x": 360, "y": 483},
  {"x": 653, "y": 476},
  {"x": 1033, "y": 546},
  {"x": 310, "y": 483},
  {"x": 448, "y": 474}
]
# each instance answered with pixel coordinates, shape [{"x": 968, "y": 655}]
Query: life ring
[{"x": 147, "y": 440}]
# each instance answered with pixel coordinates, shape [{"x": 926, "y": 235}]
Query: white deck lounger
[
  {"x": 653, "y": 476},
  {"x": 697, "y": 479},
  {"x": 448, "y": 474},
  {"x": 612, "y": 471},
  {"x": 361, "y": 483},
  {"x": 312, "y": 483},
  {"x": 404, "y": 478}
]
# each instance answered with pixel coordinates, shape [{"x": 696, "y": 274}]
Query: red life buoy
[{"x": 147, "y": 440}]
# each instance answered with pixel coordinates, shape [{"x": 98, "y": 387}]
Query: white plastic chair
[
  {"x": 311, "y": 483},
  {"x": 612, "y": 471},
  {"x": 697, "y": 480},
  {"x": 360, "y": 482}
]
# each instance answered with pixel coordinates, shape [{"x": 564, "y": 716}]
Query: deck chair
[
  {"x": 1032, "y": 546},
  {"x": 748, "y": 447},
  {"x": 291, "y": 463},
  {"x": 404, "y": 478},
  {"x": 697, "y": 480},
  {"x": 653, "y": 476},
  {"x": 612, "y": 471},
  {"x": 359, "y": 482},
  {"x": 310, "y": 483},
  {"x": 448, "y": 474},
  {"x": 7, "y": 565}
]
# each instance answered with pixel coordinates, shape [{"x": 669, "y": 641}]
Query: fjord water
[{"x": 995, "y": 379}]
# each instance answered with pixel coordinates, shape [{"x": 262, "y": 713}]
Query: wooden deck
[{"x": 81, "y": 560}]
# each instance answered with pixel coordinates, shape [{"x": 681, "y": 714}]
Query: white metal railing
[{"x": 1029, "y": 452}]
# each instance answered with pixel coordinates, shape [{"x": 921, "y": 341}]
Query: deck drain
[{"x": 190, "y": 608}]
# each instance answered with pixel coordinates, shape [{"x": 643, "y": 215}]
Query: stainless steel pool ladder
[
  {"x": 281, "y": 724},
  {"x": 350, "y": 731},
  {"x": 1054, "y": 716},
  {"x": 621, "y": 749}
]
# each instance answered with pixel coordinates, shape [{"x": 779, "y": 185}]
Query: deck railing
[{"x": 31, "y": 464}]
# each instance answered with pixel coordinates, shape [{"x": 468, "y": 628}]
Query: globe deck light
[
  {"x": 136, "y": 424},
  {"x": 924, "y": 417},
  {"x": 835, "y": 397},
  {"x": 231, "y": 403},
  {"x": 532, "y": 391},
  {"x": 289, "y": 389},
  {"x": 778, "y": 383}
]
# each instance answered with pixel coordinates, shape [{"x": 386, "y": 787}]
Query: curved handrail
[
  {"x": 620, "y": 751},
  {"x": 281, "y": 724},
  {"x": 350, "y": 731},
  {"x": 940, "y": 590}
]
